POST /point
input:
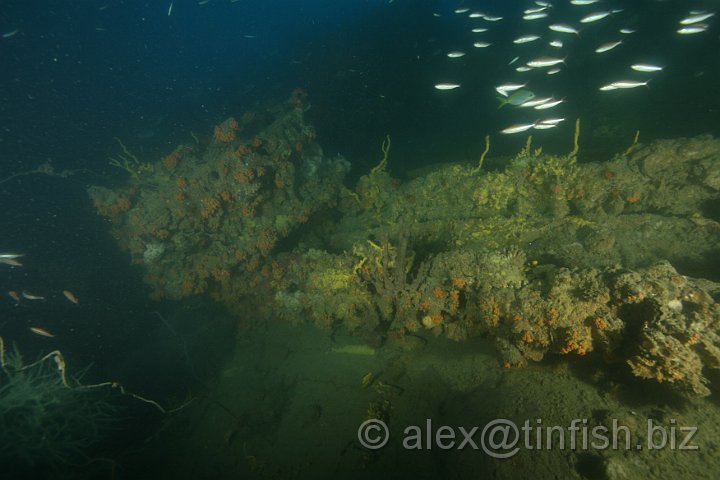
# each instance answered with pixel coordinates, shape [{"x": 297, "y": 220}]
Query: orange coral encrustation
[
  {"x": 210, "y": 206},
  {"x": 225, "y": 132}
]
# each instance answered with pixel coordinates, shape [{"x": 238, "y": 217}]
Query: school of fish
[
  {"x": 25, "y": 297},
  {"x": 537, "y": 51}
]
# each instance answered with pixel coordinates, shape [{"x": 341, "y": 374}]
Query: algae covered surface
[{"x": 547, "y": 288}]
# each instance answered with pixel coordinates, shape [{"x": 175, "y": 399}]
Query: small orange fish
[
  {"x": 42, "y": 332},
  {"x": 71, "y": 296},
  {"x": 14, "y": 295}
]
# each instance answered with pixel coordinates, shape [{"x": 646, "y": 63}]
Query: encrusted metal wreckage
[{"x": 545, "y": 255}]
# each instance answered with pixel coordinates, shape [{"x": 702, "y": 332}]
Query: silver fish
[
  {"x": 548, "y": 123},
  {"x": 607, "y": 46},
  {"x": 594, "y": 17},
  {"x": 517, "y": 128},
  {"x": 695, "y": 28},
  {"x": 542, "y": 62},
  {"x": 544, "y": 126},
  {"x": 646, "y": 67},
  {"x": 29, "y": 296},
  {"x": 629, "y": 83},
  {"x": 11, "y": 262},
  {"x": 699, "y": 17},
  {"x": 447, "y": 86},
  {"x": 551, "y": 121},
  {"x": 534, "y": 102},
  {"x": 508, "y": 87},
  {"x": 624, "y": 84},
  {"x": 561, "y": 28},
  {"x": 526, "y": 39},
  {"x": 550, "y": 104}
]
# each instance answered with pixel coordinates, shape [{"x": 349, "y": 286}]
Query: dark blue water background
[{"x": 79, "y": 74}]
